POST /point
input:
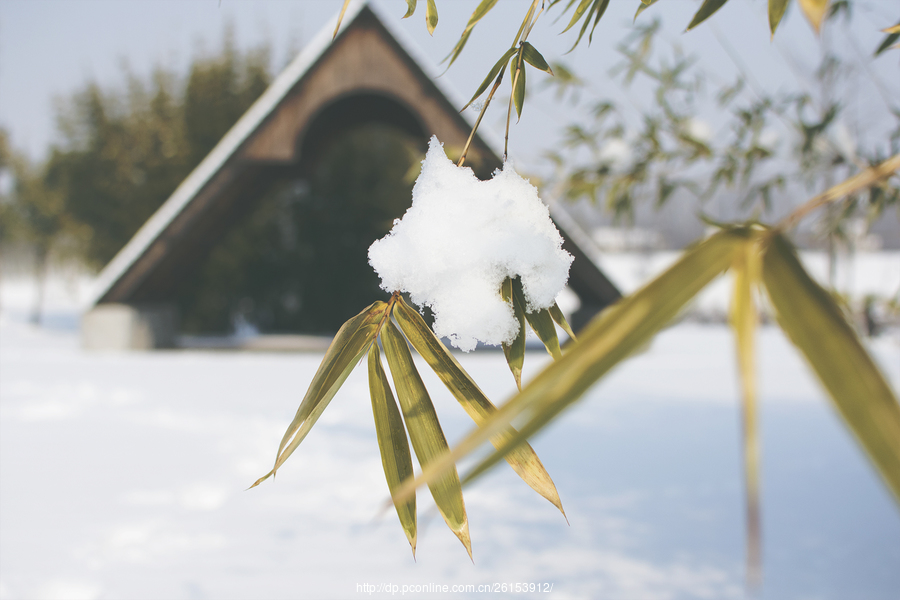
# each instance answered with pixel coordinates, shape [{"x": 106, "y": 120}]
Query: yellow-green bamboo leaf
[
  {"x": 705, "y": 11},
  {"x": 815, "y": 12},
  {"x": 643, "y": 6},
  {"x": 776, "y": 11},
  {"x": 345, "y": 350},
  {"x": 337, "y": 27},
  {"x": 523, "y": 459},
  {"x": 425, "y": 432},
  {"x": 744, "y": 322},
  {"x": 601, "y": 8},
  {"x": 534, "y": 58},
  {"x": 527, "y": 22},
  {"x": 518, "y": 84},
  {"x": 560, "y": 319},
  {"x": 392, "y": 443},
  {"x": 540, "y": 320},
  {"x": 888, "y": 41},
  {"x": 481, "y": 10},
  {"x": 611, "y": 337},
  {"x": 515, "y": 352},
  {"x": 597, "y": 9},
  {"x": 410, "y": 8},
  {"x": 495, "y": 71},
  {"x": 815, "y": 324},
  {"x": 579, "y": 11},
  {"x": 431, "y": 16}
]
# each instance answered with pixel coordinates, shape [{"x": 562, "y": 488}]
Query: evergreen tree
[{"x": 124, "y": 152}]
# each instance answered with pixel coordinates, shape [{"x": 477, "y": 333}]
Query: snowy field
[{"x": 123, "y": 476}]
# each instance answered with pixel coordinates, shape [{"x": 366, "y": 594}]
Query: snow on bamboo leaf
[{"x": 460, "y": 240}]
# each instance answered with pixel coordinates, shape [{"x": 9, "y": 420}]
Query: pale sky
[{"x": 49, "y": 48}]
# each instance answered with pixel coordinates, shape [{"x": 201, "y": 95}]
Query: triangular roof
[{"x": 260, "y": 138}]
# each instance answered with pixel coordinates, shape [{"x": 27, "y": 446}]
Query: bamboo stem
[{"x": 462, "y": 158}]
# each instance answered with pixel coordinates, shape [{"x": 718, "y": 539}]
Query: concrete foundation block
[{"x": 129, "y": 327}]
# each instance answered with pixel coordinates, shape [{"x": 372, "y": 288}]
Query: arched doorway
[{"x": 297, "y": 260}]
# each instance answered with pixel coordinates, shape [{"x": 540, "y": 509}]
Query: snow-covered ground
[{"x": 124, "y": 476}]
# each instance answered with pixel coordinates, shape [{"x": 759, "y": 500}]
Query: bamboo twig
[
  {"x": 841, "y": 190},
  {"x": 462, "y": 157}
]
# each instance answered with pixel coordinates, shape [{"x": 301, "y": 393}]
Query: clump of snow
[{"x": 460, "y": 240}]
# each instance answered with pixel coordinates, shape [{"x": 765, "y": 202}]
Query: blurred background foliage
[
  {"x": 762, "y": 151},
  {"x": 122, "y": 151}
]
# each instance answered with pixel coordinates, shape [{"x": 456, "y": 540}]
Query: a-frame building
[{"x": 369, "y": 73}]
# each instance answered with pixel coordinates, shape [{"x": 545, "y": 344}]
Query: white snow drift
[{"x": 460, "y": 240}]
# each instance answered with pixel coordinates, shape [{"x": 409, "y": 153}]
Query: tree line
[{"x": 121, "y": 151}]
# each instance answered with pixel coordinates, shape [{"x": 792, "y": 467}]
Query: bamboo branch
[{"x": 850, "y": 186}]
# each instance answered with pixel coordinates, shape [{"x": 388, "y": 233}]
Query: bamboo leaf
[
  {"x": 392, "y": 443},
  {"x": 519, "y": 86},
  {"x": 744, "y": 321},
  {"x": 495, "y": 70},
  {"x": 560, "y": 319},
  {"x": 579, "y": 11},
  {"x": 410, "y": 8},
  {"x": 523, "y": 459},
  {"x": 534, "y": 58},
  {"x": 814, "y": 11},
  {"x": 347, "y": 347},
  {"x": 337, "y": 27},
  {"x": 431, "y": 16},
  {"x": 611, "y": 337},
  {"x": 541, "y": 322},
  {"x": 644, "y": 6},
  {"x": 776, "y": 11},
  {"x": 815, "y": 324},
  {"x": 893, "y": 36},
  {"x": 481, "y": 10},
  {"x": 425, "y": 432},
  {"x": 706, "y": 11},
  {"x": 515, "y": 352},
  {"x": 600, "y": 10}
]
